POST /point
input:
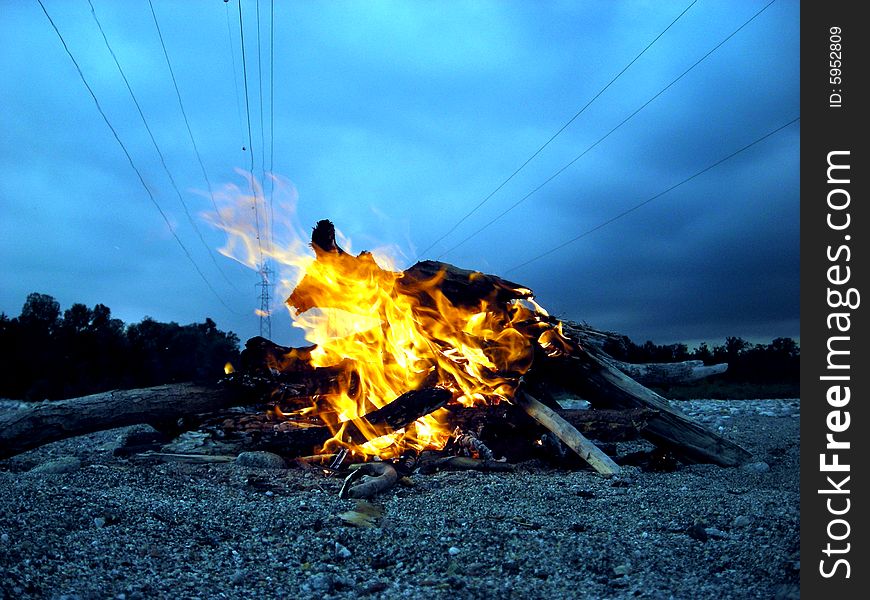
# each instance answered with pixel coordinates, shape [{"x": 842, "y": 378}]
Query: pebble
[
  {"x": 742, "y": 521},
  {"x": 100, "y": 522},
  {"x": 322, "y": 583},
  {"x": 67, "y": 464},
  {"x": 697, "y": 531},
  {"x": 715, "y": 533},
  {"x": 342, "y": 551},
  {"x": 239, "y": 576},
  {"x": 756, "y": 467},
  {"x": 453, "y": 551},
  {"x": 260, "y": 460},
  {"x": 4, "y": 538},
  {"x": 205, "y": 512}
]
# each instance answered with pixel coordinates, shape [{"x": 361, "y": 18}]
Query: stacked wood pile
[{"x": 274, "y": 380}]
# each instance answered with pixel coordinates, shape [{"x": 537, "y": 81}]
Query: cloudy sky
[{"x": 395, "y": 120}]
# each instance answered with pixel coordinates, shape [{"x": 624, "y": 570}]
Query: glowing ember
[{"x": 389, "y": 331}]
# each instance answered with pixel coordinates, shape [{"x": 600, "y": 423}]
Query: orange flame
[{"x": 395, "y": 335}]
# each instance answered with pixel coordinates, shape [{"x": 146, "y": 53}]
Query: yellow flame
[{"x": 393, "y": 334}]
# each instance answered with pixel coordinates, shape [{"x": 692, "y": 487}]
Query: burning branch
[{"x": 388, "y": 349}]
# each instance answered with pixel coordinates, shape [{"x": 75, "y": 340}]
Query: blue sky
[{"x": 394, "y": 120}]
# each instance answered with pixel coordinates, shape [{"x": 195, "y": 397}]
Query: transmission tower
[{"x": 265, "y": 313}]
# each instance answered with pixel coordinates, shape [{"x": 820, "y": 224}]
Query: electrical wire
[
  {"x": 271, "y": 122},
  {"x": 250, "y": 140},
  {"x": 558, "y": 132},
  {"x": 650, "y": 199},
  {"x": 130, "y": 159},
  {"x": 606, "y": 135},
  {"x": 157, "y": 146},
  {"x": 183, "y": 112},
  {"x": 260, "y": 84},
  {"x": 232, "y": 48}
]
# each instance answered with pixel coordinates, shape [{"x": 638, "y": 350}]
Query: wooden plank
[{"x": 567, "y": 433}]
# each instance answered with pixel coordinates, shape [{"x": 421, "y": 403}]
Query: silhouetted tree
[{"x": 87, "y": 351}]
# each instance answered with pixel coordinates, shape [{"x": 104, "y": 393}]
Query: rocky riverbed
[{"x": 78, "y": 523}]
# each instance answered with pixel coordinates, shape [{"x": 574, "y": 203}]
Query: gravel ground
[{"x": 78, "y": 523}]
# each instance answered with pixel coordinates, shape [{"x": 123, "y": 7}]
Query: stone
[
  {"x": 756, "y": 467},
  {"x": 715, "y": 533},
  {"x": 453, "y": 551},
  {"x": 260, "y": 460},
  {"x": 742, "y": 521},
  {"x": 342, "y": 551},
  {"x": 239, "y": 576},
  {"x": 66, "y": 464},
  {"x": 322, "y": 583}
]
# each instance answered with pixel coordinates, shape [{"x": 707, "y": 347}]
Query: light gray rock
[
  {"x": 66, "y": 464},
  {"x": 260, "y": 460},
  {"x": 342, "y": 552},
  {"x": 741, "y": 521}
]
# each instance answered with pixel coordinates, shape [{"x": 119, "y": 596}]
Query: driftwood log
[
  {"x": 49, "y": 421},
  {"x": 568, "y": 434},
  {"x": 41, "y": 423},
  {"x": 595, "y": 379},
  {"x": 579, "y": 364},
  {"x": 575, "y": 362}
]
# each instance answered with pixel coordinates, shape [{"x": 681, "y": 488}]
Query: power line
[
  {"x": 183, "y": 112},
  {"x": 659, "y": 195},
  {"x": 606, "y": 135},
  {"x": 130, "y": 158},
  {"x": 232, "y": 48},
  {"x": 272, "y": 122},
  {"x": 558, "y": 132},
  {"x": 263, "y": 267},
  {"x": 260, "y": 83},
  {"x": 156, "y": 145},
  {"x": 250, "y": 140}
]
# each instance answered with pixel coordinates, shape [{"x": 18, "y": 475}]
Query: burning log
[
  {"x": 293, "y": 440},
  {"x": 461, "y": 286},
  {"x": 43, "y": 423},
  {"x": 530, "y": 343},
  {"x": 396, "y": 415},
  {"x": 447, "y": 334}
]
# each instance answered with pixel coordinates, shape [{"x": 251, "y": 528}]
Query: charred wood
[
  {"x": 294, "y": 438},
  {"x": 369, "y": 480},
  {"x": 461, "y": 286}
]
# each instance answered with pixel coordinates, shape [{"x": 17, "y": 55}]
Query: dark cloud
[{"x": 394, "y": 120}]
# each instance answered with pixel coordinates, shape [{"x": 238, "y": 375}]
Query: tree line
[
  {"x": 754, "y": 370},
  {"x": 47, "y": 354}
]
